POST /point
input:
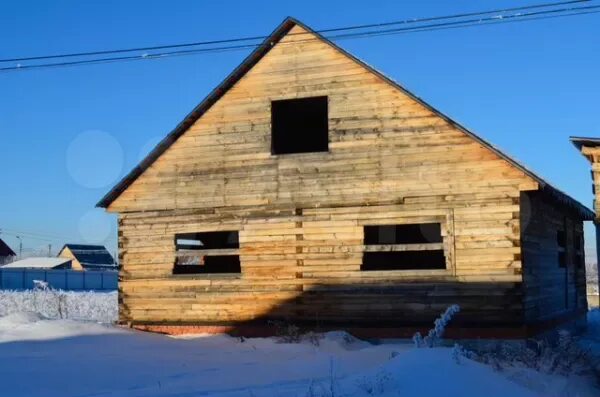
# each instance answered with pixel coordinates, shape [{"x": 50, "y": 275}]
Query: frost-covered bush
[
  {"x": 435, "y": 334},
  {"x": 91, "y": 306},
  {"x": 561, "y": 355}
]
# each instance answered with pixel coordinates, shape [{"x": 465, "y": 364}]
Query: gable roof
[
  {"x": 38, "y": 263},
  {"x": 91, "y": 255},
  {"x": 253, "y": 59},
  {"x": 5, "y": 250}
]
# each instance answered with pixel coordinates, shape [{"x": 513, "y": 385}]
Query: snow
[
  {"x": 37, "y": 263},
  {"x": 94, "y": 306},
  {"x": 43, "y": 357}
]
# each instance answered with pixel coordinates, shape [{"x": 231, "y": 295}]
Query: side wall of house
[{"x": 553, "y": 286}]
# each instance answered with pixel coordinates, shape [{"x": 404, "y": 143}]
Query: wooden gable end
[{"x": 384, "y": 145}]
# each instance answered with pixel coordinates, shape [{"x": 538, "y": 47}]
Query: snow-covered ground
[{"x": 63, "y": 357}]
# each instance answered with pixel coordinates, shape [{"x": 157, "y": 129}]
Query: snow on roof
[{"x": 38, "y": 263}]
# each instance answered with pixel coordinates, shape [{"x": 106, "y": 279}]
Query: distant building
[
  {"x": 40, "y": 263},
  {"x": 7, "y": 255},
  {"x": 88, "y": 257},
  {"x": 590, "y": 148}
]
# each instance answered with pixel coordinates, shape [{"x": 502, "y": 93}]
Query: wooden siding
[
  {"x": 550, "y": 289},
  {"x": 301, "y": 216}
]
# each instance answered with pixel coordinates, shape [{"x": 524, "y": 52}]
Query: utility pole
[
  {"x": 49, "y": 249},
  {"x": 20, "y": 247}
]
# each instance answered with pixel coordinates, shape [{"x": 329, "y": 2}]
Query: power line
[
  {"x": 519, "y": 17},
  {"x": 34, "y": 235},
  {"x": 331, "y": 30}
]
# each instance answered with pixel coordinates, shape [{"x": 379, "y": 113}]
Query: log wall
[{"x": 551, "y": 289}]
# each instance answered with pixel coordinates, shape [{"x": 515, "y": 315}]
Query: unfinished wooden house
[
  {"x": 590, "y": 148},
  {"x": 312, "y": 189}
]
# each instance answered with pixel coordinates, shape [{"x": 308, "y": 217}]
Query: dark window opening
[
  {"x": 207, "y": 240},
  {"x": 561, "y": 238},
  {"x": 299, "y": 125},
  {"x": 403, "y": 247},
  {"x": 210, "y": 265},
  {"x": 404, "y": 260},
  {"x": 418, "y": 233},
  {"x": 207, "y": 253},
  {"x": 562, "y": 259}
]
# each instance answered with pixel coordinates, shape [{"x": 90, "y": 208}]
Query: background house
[
  {"x": 7, "y": 255},
  {"x": 312, "y": 189},
  {"x": 88, "y": 257},
  {"x": 590, "y": 148},
  {"x": 40, "y": 263}
]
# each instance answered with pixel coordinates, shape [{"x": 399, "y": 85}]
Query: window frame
[
  {"x": 181, "y": 253},
  {"x": 446, "y": 220}
]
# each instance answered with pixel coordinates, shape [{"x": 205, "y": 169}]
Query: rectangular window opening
[
  {"x": 207, "y": 253},
  {"x": 404, "y": 247},
  {"x": 414, "y": 233},
  {"x": 299, "y": 125},
  {"x": 561, "y": 239},
  {"x": 562, "y": 259}
]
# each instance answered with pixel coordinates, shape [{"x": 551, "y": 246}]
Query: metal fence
[{"x": 73, "y": 280}]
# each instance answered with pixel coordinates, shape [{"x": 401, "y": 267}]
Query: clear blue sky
[{"x": 525, "y": 87}]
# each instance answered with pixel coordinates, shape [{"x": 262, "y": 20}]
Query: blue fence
[{"x": 71, "y": 280}]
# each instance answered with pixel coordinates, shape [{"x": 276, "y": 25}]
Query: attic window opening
[
  {"x": 404, "y": 247},
  {"x": 207, "y": 253},
  {"x": 299, "y": 125}
]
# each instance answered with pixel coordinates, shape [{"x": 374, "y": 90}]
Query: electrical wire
[
  {"x": 254, "y": 38},
  {"x": 434, "y": 27}
]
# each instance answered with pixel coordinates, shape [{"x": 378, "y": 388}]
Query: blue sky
[{"x": 68, "y": 134}]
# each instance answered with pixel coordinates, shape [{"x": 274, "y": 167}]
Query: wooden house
[
  {"x": 310, "y": 188},
  {"x": 590, "y": 148},
  {"x": 88, "y": 257}
]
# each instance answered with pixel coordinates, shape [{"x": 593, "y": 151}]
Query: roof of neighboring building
[
  {"x": 5, "y": 249},
  {"x": 91, "y": 255},
  {"x": 253, "y": 59},
  {"x": 38, "y": 263},
  {"x": 580, "y": 141}
]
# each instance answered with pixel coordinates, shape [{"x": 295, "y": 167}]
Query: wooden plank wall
[
  {"x": 300, "y": 216},
  {"x": 301, "y": 264},
  {"x": 550, "y": 290}
]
